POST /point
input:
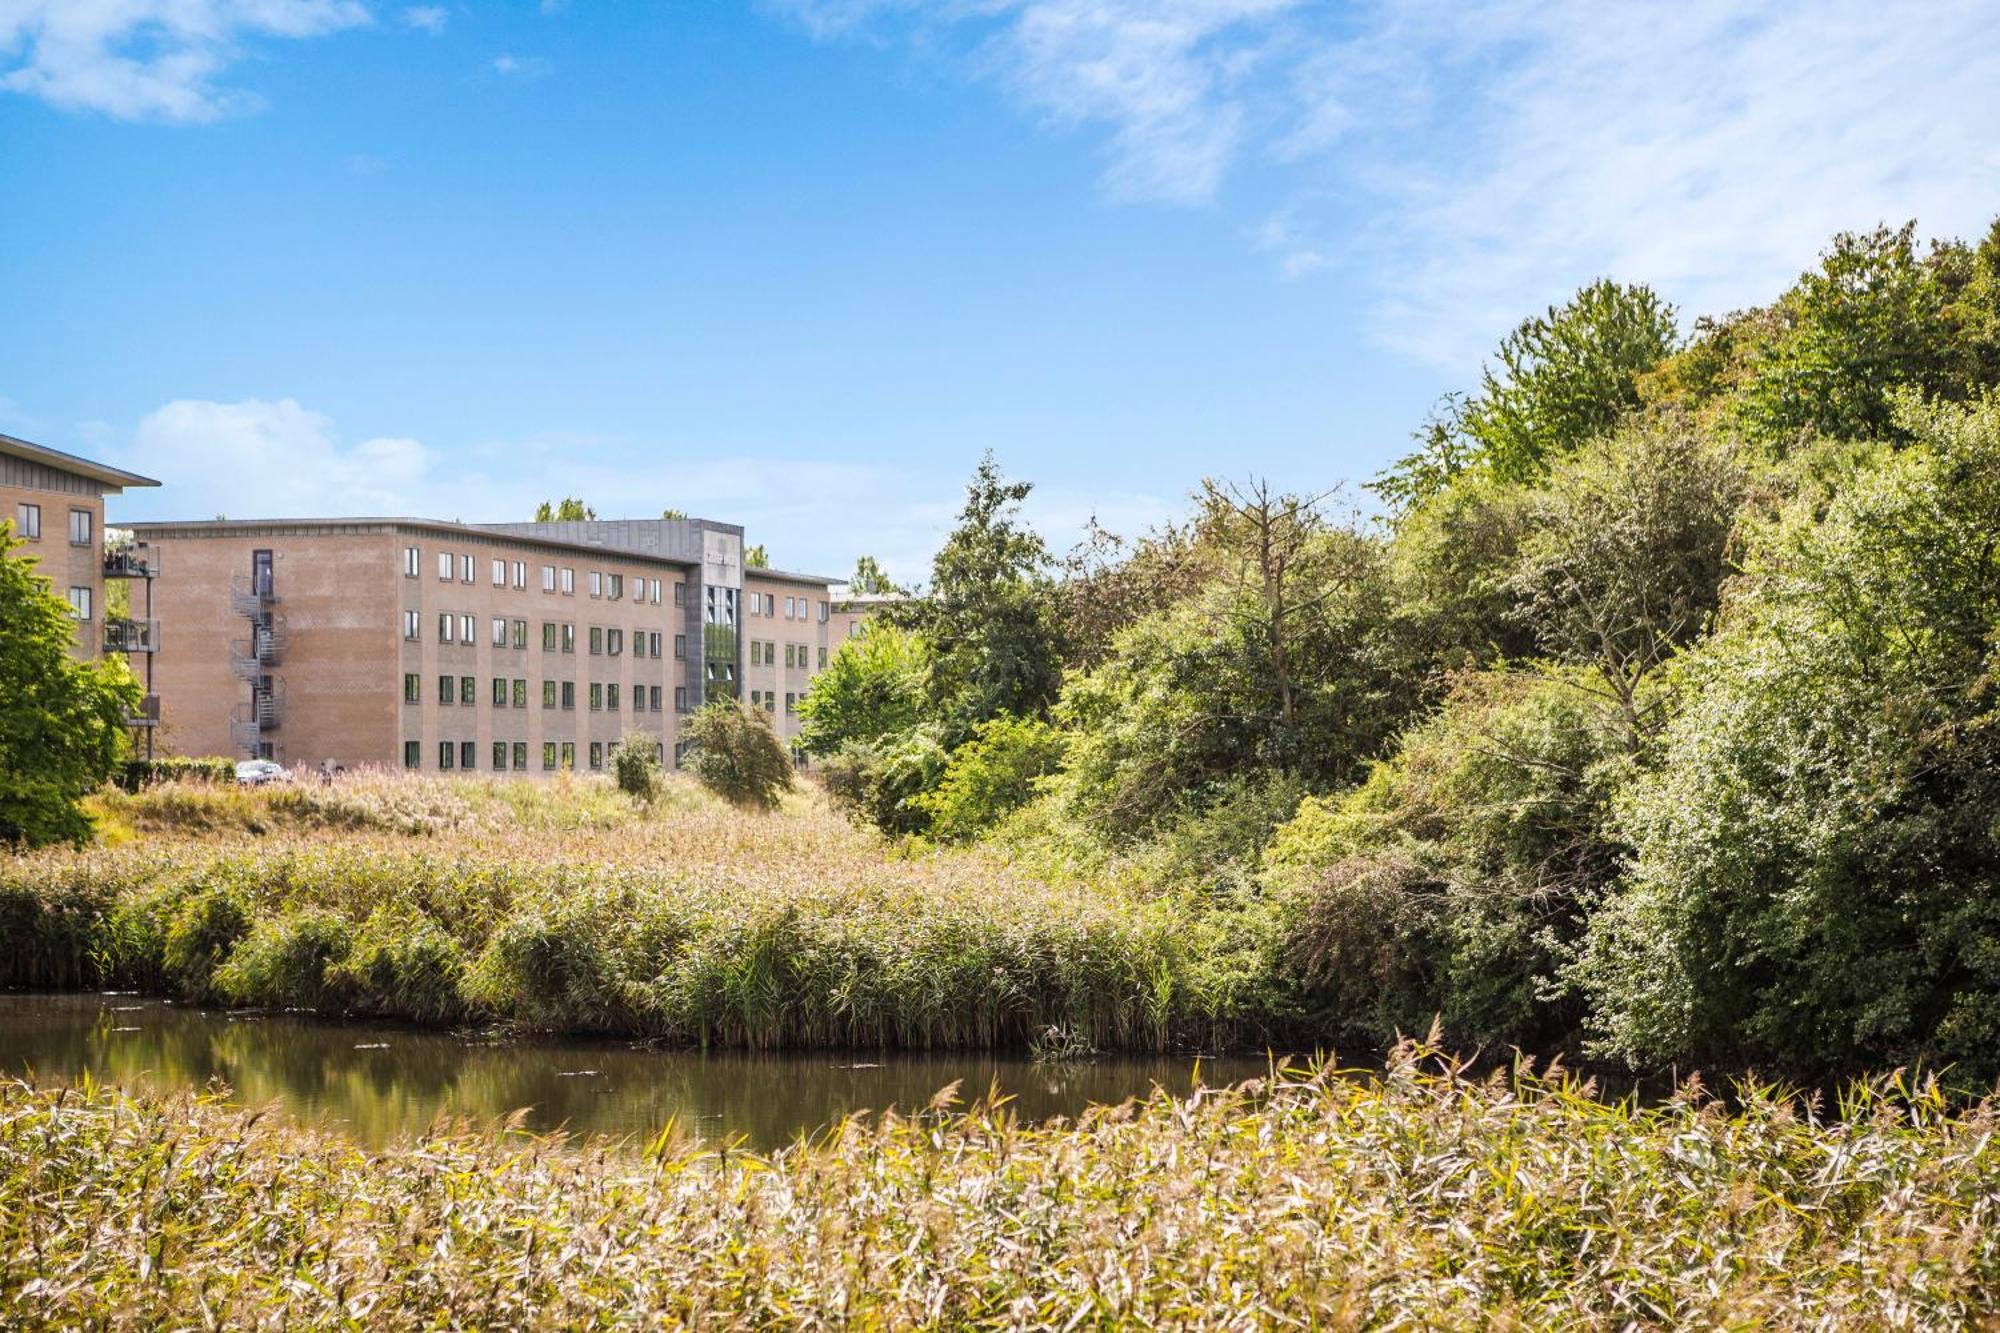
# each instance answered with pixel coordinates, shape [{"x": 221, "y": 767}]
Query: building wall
[
  {"x": 779, "y": 615},
  {"x": 343, "y": 592},
  {"x": 64, "y": 564}
]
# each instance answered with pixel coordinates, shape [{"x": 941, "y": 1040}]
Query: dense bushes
[
  {"x": 736, "y": 754},
  {"x": 139, "y": 773}
]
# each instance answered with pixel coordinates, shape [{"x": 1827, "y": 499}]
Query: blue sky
[{"x": 797, "y": 263}]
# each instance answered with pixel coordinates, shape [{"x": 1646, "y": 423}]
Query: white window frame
[
  {"x": 88, "y": 522},
  {"x": 28, "y": 521},
  {"x": 79, "y": 601},
  {"x": 520, "y": 575},
  {"x": 548, "y": 578},
  {"x": 499, "y": 631},
  {"x": 413, "y": 624},
  {"x": 468, "y": 629},
  {"x": 444, "y": 566},
  {"x": 499, "y": 572},
  {"x": 468, "y": 568}
]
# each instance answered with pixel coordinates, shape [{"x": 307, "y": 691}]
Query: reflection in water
[{"x": 381, "y": 1083}]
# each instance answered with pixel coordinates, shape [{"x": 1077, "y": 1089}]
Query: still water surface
[{"x": 378, "y": 1084}]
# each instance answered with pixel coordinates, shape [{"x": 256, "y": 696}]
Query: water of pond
[{"x": 378, "y": 1084}]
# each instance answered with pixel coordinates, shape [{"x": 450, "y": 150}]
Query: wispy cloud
[
  {"x": 149, "y": 59},
  {"x": 521, "y": 67},
  {"x": 1480, "y": 158},
  {"x": 427, "y": 18}
]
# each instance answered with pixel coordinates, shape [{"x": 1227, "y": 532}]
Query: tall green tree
[
  {"x": 1562, "y": 378},
  {"x": 567, "y": 510},
  {"x": 869, "y": 578},
  {"x": 61, "y": 721},
  {"x": 756, "y": 557},
  {"x": 988, "y": 616}
]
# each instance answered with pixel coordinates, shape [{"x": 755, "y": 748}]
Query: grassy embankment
[
  {"x": 568, "y": 907},
  {"x": 1410, "y": 1200}
]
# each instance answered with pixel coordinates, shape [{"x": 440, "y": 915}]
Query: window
[
  {"x": 656, "y": 698},
  {"x": 548, "y": 636},
  {"x": 499, "y": 631},
  {"x": 617, "y": 588},
  {"x": 520, "y": 694},
  {"x": 823, "y": 612},
  {"x": 596, "y": 697},
  {"x": 468, "y": 690},
  {"x": 596, "y": 640},
  {"x": 653, "y": 594},
  {"x": 822, "y": 657},
  {"x": 791, "y": 657},
  {"x": 520, "y": 755},
  {"x": 413, "y": 754},
  {"x": 548, "y": 578},
  {"x": 680, "y": 644},
  {"x": 499, "y": 692},
  {"x": 548, "y": 694},
  {"x": 500, "y": 756},
  {"x": 413, "y": 688},
  {"x": 568, "y": 580},
  {"x": 638, "y": 643},
  {"x": 446, "y": 752},
  {"x": 755, "y": 599},
  {"x": 499, "y": 573},
  {"x": 81, "y": 523},
  {"x": 569, "y": 754},
  {"x": 756, "y": 698},
  {"x": 412, "y": 559},
  {"x": 569, "y": 638},
  {"x": 79, "y": 602},
  {"x": 614, "y": 642},
  {"x": 596, "y": 584},
  {"x": 520, "y": 634},
  {"x": 412, "y": 624},
  {"x": 28, "y": 521},
  {"x": 597, "y": 754},
  {"x": 548, "y": 755},
  {"x": 770, "y": 701},
  {"x": 468, "y": 754},
  {"x": 680, "y": 699},
  {"x": 447, "y": 689},
  {"x": 611, "y": 697},
  {"x": 680, "y": 594},
  {"x": 465, "y": 574},
  {"x": 465, "y": 629},
  {"x": 569, "y": 694},
  {"x": 655, "y": 645},
  {"x": 447, "y": 626},
  {"x": 444, "y": 568},
  {"x": 638, "y": 698},
  {"x": 788, "y": 609},
  {"x": 791, "y": 704},
  {"x": 521, "y": 574}
]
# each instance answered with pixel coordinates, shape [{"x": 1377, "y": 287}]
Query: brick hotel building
[{"x": 513, "y": 648}]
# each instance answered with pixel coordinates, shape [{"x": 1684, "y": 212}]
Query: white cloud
[
  {"x": 427, "y": 18},
  {"x": 259, "y": 459},
  {"x": 149, "y": 59},
  {"x": 1478, "y": 159},
  {"x": 520, "y": 67}
]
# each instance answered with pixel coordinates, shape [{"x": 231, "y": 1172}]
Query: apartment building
[
  {"x": 512, "y": 648},
  {"x": 55, "y": 502}
]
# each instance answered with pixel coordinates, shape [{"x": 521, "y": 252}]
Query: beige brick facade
[
  {"x": 347, "y": 641},
  {"x": 55, "y": 505}
]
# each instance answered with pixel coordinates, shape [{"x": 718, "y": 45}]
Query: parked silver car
[{"x": 257, "y": 772}]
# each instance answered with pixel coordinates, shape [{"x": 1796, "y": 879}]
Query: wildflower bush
[{"x": 1418, "y": 1199}]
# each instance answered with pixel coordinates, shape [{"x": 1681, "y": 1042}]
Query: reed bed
[
  {"x": 1416, "y": 1199},
  {"x": 578, "y": 910}
]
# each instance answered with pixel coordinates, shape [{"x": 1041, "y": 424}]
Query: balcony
[
  {"x": 122, "y": 634},
  {"x": 147, "y": 714},
  {"x": 254, "y": 657},
  {"x": 250, "y": 596},
  {"x": 132, "y": 560}
]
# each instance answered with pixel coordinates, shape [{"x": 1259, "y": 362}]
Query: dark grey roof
[{"x": 115, "y": 478}]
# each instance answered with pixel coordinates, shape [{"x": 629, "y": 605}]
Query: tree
[
  {"x": 756, "y": 557},
  {"x": 567, "y": 510},
  {"x": 991, "y": 774},
  {"x": 872, "y": 685},
  {"x": 988, "y": 616},
  {"x": 1563, "y": 378},
  {"x": 636, "y": 765},
  {"x": 735, "y": 753},
  {"x": 1816, "y": 872},
  {"x": 869, "y": 579},
  {"x": 62, "y": 722},
  {"x": 672, "y": 513}
]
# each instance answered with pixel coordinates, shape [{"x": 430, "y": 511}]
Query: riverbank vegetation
[
  {"x": 1652, "y": 720},
  {"x": 1417, "y": 1198}
]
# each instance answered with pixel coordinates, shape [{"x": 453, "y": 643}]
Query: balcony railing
[
  {"x": 265, "y": 710},
  {"x": 251, "y": 596},
  {"x": 134, "y": 560},
  {"x": 122, "y": 634},
  {"x": 147, "y": 714}
]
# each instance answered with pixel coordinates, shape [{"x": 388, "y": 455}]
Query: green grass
[
  {"x": 572, "y": 908},
  {"x": 1413, "y": 1200}
]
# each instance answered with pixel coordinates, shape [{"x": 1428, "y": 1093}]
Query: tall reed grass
[
  {"x": 1416, "y": 1200},
  {"x": 579, "y": 910}
]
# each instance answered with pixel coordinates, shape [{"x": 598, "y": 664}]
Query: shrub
[
  {"x": 208, "y": 924},
  {"x": 289, "y": 960},
  {"x": 636, "y": 765},
  {"x": 141, "y": 773},
  {"x": 884, "y": 784},
  {"x": 991, "y": 774},
  {"x": 736, "y": 754}
]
